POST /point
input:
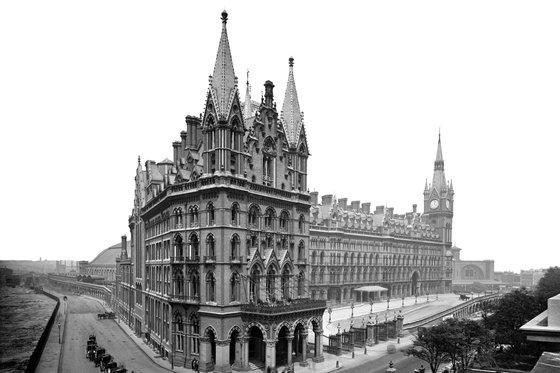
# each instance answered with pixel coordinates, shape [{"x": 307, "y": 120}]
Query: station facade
[
  {"x": 357, "y": 254},
  {"x": 232, "y": 260}
]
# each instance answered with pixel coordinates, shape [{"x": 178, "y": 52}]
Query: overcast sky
[{"x": 86, "y": 87}]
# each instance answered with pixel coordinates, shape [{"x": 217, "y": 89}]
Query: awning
[{"x": 371, "y": 288}]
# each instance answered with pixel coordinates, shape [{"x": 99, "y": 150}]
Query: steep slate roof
[
  {"x": 290, "y": 115},
  {"x": 223, "y": 83},
  {"x": 108, "y": 256},
  {"x": 438, "y": 181}
]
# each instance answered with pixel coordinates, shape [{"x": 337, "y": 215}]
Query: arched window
[
  {"x": 234, "y": 287},
  {"x": 235, "y": 242},
  {"x": 179, "y": 333},
  {"x": 271, "y": 283},
  {"x": 211, "y": 247},
  {"x": 193, "y": 212},
  {"x": 235, "y": 214},
  {"x": 194, "y": 253},
  {"x": 254, "y": 285},
  {"x": 178, "y": 212},
  {"x": 269, "y": 216},
  {"x": 321, "y": 275},
  {"x": 301, "y": 284},
  {"x": 254, "y": 217},
  {"x": 285, "y": 283},
  {"x": 210, "y": 287},
  {"x": 211, "y": 213},
  {"x": 177, "y": 247},
  {"x": 194, "y": 286},
  {"x": 194, "y": 333},
  {"x": 301, "y": 224},
  {"x": 313, "y": 275},
  {"x": 283, "y": 221},
  {"x": 301, "y": 251}
]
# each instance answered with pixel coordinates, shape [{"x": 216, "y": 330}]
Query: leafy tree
[
  {"x": 548, "y": 286},
  {"x": 430, "y": 346},
  {"x": 512, "y": 311}
]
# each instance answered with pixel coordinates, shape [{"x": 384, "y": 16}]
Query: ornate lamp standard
[
  {"x": 352, "y": 310},
  {"x": 329, "y": 311},
  {"x": 402, "y": 304},
  {"x": 371, "y": 305},
  {"x": 388, "y": 300}
]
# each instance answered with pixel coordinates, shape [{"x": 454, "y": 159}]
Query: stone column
[
  {"x": 205, "y": 363},
  {"x": 303, "y": 361},
  {"x": 290, "y": 340},
  {"x": 244, "y": 353},
  {"x": 318, "y": 346},
  {"x": 270, "y": 361},
  {"x": 222, "y": 357}
]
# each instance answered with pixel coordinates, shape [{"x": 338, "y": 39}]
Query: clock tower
[{"x": 438, "y": 200}]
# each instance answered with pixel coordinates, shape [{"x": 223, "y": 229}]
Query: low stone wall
[{"x": 36, "y": 355}]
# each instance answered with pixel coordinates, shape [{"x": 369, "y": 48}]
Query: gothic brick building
[
  {"x": 220, "y": 234},
  {"x": 359, "y": 254}
]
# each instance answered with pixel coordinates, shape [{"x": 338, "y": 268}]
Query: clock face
[
  {"x": 434, "y": 204},
  {"x": 448, "y": 204}
]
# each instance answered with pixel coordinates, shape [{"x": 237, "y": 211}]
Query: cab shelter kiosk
[{"x": 370, "y": 293}]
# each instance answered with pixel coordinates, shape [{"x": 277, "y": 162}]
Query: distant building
[
  {"x": 103, "y": 265},
  {"x": 508, "y": 279},
  {"x": 530, "y": 278},
  {"x": 467, "y": 273},
  {"x": 66, "y": 266},
  {"x": 25, "y": 266}
]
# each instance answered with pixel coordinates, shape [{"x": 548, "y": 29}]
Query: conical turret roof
[
  {"x": 223, "y": 83},
  {"x": 291, "y": 116}
]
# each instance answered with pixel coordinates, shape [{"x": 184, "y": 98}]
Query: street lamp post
[
  {"x": 388, "y": 300},
  {"x": 352, "y": 310},
  {"x": 330, "y": 311},
  {"x": 415, "y": 298},
  {"x": 59, "y": 332},
  {"x": 371, "y": 306},
  {"x": 402, "y": 304}
]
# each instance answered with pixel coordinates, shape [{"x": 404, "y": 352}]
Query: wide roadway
[{"x": 82, "y": 321}]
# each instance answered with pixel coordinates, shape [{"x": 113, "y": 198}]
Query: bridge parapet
[{"x": 461, "y": 310}]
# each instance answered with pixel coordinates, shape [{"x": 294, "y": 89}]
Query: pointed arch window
[
  {"x": 235, "y": 243},
  {"x": 234, "y": 287},
  {"x": 269, "y": 218},
  {"x": 194, "y": 333},
  {"x": 301, "y": 251},
  {"x": 254, "y": 217},
  {"x": 211, "y": 213},
  {"x": 210, "y": 287},
  {"x": 255, "y": 284},
  {"x": 179, "y": 333},
  {"x": 285, "y": 283},
  {"x": 194, "y": 253},
  {"x": 283, "y": 221},
  {"x": 301, "y": 224},
  {"x": 271, "y": 284},
  {"x": 211, "y": 247},
  {"x": 194, "y": 286},
  {"x": 235, "y": 214}
]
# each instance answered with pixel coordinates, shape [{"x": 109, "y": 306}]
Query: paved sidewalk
[
  {"x": 147, "y": 350},
  {"x": 346, "y": 361},
  {"x": 52, "y": 353}
]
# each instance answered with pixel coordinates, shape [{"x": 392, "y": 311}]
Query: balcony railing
[
  {"x": 184, "y": 298},
  {"x": 192, "y": 259},
  {"x": 209, "y": 259},
  {"x": 283, "y": 307},
  {"x": 177, "y": 259}
]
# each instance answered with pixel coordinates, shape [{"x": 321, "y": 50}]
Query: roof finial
[
  {"x": 291, "y": 61},
  {"x": 224, "y": 17},
  {"x": 138, "y": 159}
]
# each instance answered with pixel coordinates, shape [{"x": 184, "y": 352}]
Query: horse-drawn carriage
[
  {"x": 464, "y": 297},
  {"x": 106, "y": 315}
]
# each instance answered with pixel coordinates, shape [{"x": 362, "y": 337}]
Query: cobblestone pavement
[{"x": 82, "y": 321}]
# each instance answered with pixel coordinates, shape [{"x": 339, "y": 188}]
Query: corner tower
[
  {"x": 438, "y": 199},
  {"x": 222, "y": 123}
]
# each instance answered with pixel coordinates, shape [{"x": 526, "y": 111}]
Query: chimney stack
[
  {"x": 366, "y": 207},
  {"x": 124, "y": 254},
  {"x": 343, "y": 203},
  {"x": 379, "y": 209},
  {"x": 355, "y": 205},
  {"x": 268, "y": 95},
  {"x": 326, "y": 199},
  {"x": 314, "y": 198},
  {"x": 390, "y": 211},
  {"x": 414, "y": 207}
]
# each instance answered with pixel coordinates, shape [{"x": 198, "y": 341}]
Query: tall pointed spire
[
  {"x": 247, "y": 107},
  {"x": 223, "y": 83},
  {"x": 291, "y": 116},
  {"x": 439, "y": 174}
]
